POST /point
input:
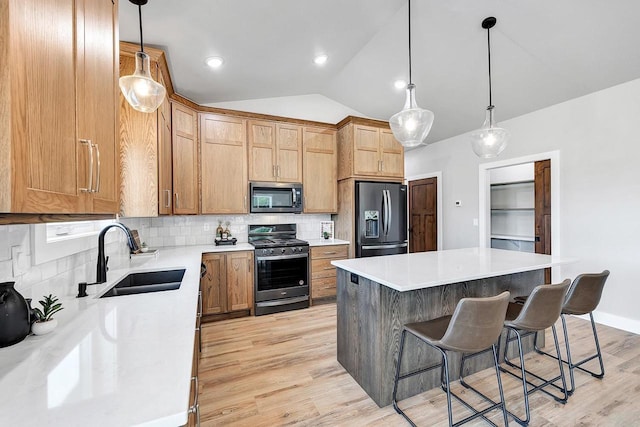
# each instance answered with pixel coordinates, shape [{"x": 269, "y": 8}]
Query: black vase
[{"x": 15, "y": 315}]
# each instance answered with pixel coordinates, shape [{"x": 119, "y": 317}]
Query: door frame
[
  {"x": 438, "y": 176},
  {"x": 484, "y": 195}
]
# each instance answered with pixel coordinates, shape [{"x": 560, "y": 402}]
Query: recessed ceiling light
[
  {"x": 400, "y": 84},
  {"x": 320, "y": 59},
  {"x": 214, "y": 61}
]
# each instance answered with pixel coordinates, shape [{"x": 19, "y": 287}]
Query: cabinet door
[
  {"x": 185, "y": 160},
  {"x": 391, "y": 155},
  {"x": 366, "y": 155},
  {"x": 214, "y": 284},
  {"x": 320, "y": 171},
  {"x": 223, "y": 164},
  {"x": 289, "y": 153},
  {"x": 46, "y": 149},
  {"x": 240, "y": 281},
  {"x": 262, "y": 151},
  {"x": 165, "y": 166},
  {"x": 97, "y": 97}
]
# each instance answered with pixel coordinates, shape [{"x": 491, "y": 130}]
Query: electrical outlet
[
  {"x": 206, "y": 227},
  {"x": 475, "y": 222}
]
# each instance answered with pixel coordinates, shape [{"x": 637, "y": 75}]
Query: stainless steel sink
[{"x": 150, "y": 281}]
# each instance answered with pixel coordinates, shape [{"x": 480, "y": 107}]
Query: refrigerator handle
[
  {"x": 390, "y": 208},
  {"x": 384, "y": 212}
]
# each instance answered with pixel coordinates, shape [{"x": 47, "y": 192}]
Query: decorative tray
[{"x": 231, "y": 241}]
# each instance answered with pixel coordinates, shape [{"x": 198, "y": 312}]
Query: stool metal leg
[
  {"x": 577, "y": 365},
  {"x": 523, "y": 372}
]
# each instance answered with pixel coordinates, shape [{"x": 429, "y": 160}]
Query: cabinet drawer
[
  {"x": 333, "y": 252},
  {"x": 322, "y": 268},
  {"x": 324, "y": 287}
]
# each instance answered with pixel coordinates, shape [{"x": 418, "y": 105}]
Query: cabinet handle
[
  {"x": 329, "y": 253},
  {"x": 89, "y": 187},
  {"x": 199, "y": 303},
  {"x": 97, "y": 190},
  {"x": 278, "y": 169},
  {"x": 195, "y": 408},
  {"x": 244, "y": 203},
  {"x": 176, "y": 204},
  {"x": 168, "y": 204},
  {"x": 381, "y": 165},
  {"x": 273, "y": 171}
]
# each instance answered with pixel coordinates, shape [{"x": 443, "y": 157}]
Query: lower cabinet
[
  {"x": 227, "y": 285},
  {"x": 323, "y": 274},
  {"x": 194, "y": 408}
]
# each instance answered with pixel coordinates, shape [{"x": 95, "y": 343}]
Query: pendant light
[
  {"x": 411, "y": 125},
  {"x": 140, "y": 90},
  {"x": 489, "y": 141}
]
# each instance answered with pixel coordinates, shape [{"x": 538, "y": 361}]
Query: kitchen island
[{"x": 376, "y": 296}]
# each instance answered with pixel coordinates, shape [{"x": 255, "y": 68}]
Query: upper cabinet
[
  {"x": 320, "y": 170},
  {"x": 275, "y": 151},
  {"x": 223, "y": 164},
  {"x": 58, "y": 146},
  {"x": 367, "y": 149},
  {"x": 184, "y": 143}
]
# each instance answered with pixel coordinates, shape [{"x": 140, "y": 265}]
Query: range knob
[
  {"x": 270, "y": 251},
  {"x": 283, "y": 250}
]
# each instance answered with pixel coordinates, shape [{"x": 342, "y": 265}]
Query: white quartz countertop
[
  {"x": 118, "y": 361},
  {"x": 327, "y": 242},
  {"x": 407, "y": 272}
]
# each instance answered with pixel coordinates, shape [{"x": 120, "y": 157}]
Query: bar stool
[
  {"x": 476, "y": 325},
  {"x": 583, "y": 298},
  {"x": 539, "y": 312}
]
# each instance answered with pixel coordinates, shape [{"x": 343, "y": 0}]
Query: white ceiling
[{"x": 543, "y": 52}]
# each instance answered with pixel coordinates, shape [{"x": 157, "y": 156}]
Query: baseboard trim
[{"x": 614, "y": 321}]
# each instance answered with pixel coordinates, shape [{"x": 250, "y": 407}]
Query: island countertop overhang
[{"x": 407, "y": 272}]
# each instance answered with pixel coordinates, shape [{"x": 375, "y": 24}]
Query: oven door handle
[
  {"x": 284, "y": 301},
  {"x": 276, "y": 258}
]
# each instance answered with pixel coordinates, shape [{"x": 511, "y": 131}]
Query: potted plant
[
  {"x": 326, "y": 234},
  {"x": 45, "y": 322},
  {"x": 144, "y": 247}
]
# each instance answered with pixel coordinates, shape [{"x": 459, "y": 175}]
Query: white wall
[
  {"x": 313, "y": 107},
  {"x": 597, "y": 136}
]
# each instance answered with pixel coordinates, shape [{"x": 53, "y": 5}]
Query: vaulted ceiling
[{"x": 543, "y": 52}]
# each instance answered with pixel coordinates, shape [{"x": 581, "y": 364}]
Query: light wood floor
[{"x": 282, "y": 370}]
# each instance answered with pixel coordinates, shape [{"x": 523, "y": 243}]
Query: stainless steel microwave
[{"x": 275, "y": 197}]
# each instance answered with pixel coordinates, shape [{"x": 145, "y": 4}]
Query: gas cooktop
[{"x": 273, "y": 243}]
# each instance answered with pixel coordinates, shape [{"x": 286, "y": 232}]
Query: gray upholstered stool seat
[
  {"x": 475, "y": 325},
  {"x": 583, "y": 298},
  {"x": 540, "y": 311}
]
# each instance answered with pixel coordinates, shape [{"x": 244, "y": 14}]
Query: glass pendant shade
[
  {"x": 489, "y": 141},
  {"x": 140, "y": 90},
  {"x": 411, "y": 125}
]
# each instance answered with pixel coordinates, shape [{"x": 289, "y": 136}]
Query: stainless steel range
[{"x": 281, "y": 268}]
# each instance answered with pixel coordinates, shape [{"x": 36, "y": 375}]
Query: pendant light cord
[
  {"x": 410, "y": 81},
  {"x": 489, "y": 55},
  {"x": 140, "y": 20}
]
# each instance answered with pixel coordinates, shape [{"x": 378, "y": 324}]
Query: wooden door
[
  {"x": 223, "y": 165},
  {"x": 47, "y": 151},
  {"x": 165, "y": 159},
  {"x": 185, "y": 160},
  {"x": 423, "y": 215},
  {"x": 262, "y": 151},
  {"x": 542, "y": 189},
  {"x": 366, "y": 153},
  {"x": 320, "y": 176},
  {"x": 240, "y": 281},
  {"x": 214, "y": 284},
  {"x": 97, "y": 97},
  {"x": 289, "y": 153},
  {"x": 391, "y": 155}
]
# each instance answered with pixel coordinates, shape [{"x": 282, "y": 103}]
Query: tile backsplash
[
  {"x": 61, "y": 276},
  {"x": 201, "y": 229}
]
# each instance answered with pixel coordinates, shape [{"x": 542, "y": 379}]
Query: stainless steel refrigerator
[{"x": 381, "y": 218}]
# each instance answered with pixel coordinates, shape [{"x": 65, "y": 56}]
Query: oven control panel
[{"x": 289, "y": 250}]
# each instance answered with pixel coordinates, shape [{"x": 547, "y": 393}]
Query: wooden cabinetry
[
  {"x": 145, "y": 147},
  {"x": 320, "y": 177},
  {"x": 275, "y": 151},
  {"x": 184, "y": 143},
  {"x": 58, "y": 107},
  {"x": 323, "y": 274},
  {"x": 228, "y": 283},
  {"x": 368, "y": 149},
  {"x": 223, "y": 164}
]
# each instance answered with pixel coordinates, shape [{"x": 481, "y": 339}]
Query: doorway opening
[{"x": 520, "y": 204}]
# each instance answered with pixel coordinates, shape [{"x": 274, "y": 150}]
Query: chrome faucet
[{"x": 101, "y": 272}]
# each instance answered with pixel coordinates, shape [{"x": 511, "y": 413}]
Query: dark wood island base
[{"x": 370, "y": 321}]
